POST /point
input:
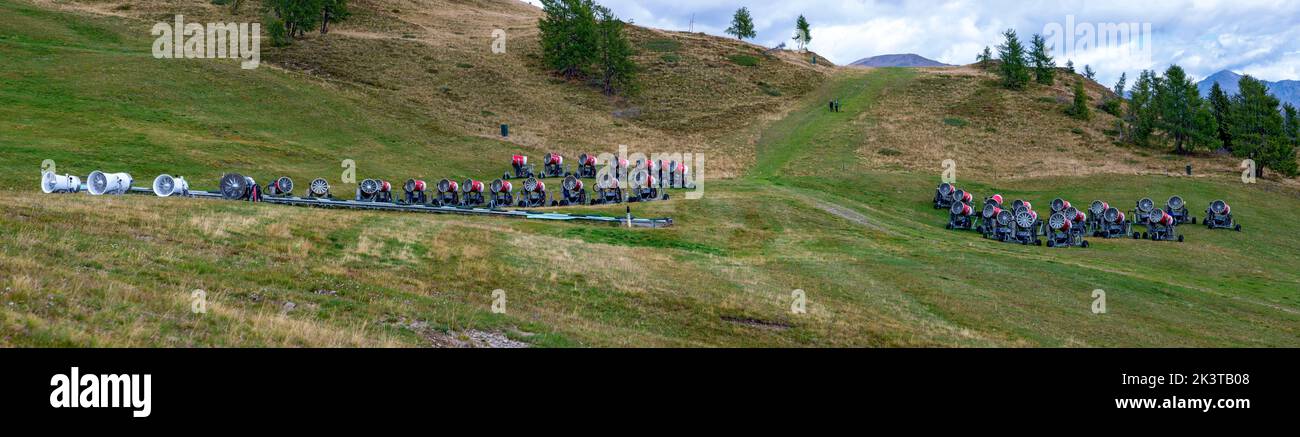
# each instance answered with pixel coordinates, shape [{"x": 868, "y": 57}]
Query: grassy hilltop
[{"x": 836, "y": 205}]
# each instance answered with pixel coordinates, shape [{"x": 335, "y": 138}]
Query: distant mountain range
[
  {"x": 1286, "y": 90},
  {"x": 905, "y": 60}
]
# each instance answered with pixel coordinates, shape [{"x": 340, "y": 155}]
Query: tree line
[
  {"x": 582, "y": 39},
  {"x": 289, "y": 19},
  {"x": 742, "y": 27},
  {"x": 1252, "y": 124},
  {"x": 1168, "y": 108}
]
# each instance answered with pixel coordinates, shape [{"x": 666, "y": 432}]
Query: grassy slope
[
  {"x": 433, "y": 56},
  {"x": 1223, "y": 288},
  {"x": 963, "y": 113},
  {"x": 877, "y": 266}
]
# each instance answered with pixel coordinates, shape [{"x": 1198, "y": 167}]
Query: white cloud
[{"x": 1204, "y": 36}]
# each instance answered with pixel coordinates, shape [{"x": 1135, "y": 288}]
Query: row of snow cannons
[
  {"x": 1068, "y": 226},
  {"x": 645, "y": 182}
]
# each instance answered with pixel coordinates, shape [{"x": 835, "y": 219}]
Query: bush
[
  {"x": 662, "y": 45},
  {"x": 1111, "y": 106},
  {"x": 769, "y": 89},
  {"x": 744, "y": 60},
  {"x": 1080, "y": 108},
  {"x": 670, "y": 58},
  {"x": 279, "y": 33},
  {"x": 955, "y": 122}
]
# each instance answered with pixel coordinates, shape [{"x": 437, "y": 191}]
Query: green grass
[
  {"x": 814, "y": 138},
  {"x": 869, "y": 251},
  {"x": 191, "y": 117},
  {"x": 744, "y": 60},
  {"x": 1038, "y": 296},
  {"x": 638, "y": 239},
  {"x": 662, "y": 45}
]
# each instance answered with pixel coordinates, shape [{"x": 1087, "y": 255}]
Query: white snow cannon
[
  {"x": 165, "y": 185},
  {"x": 100, "y": 183},
  {"x": 53, "y": 183}
]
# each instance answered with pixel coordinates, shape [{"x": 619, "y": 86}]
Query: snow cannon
[
  {"x": 1162, "y": 227},
  {"x": 608, "y": 190},
  {"x": 553, "y": 166},
  {"x": 1059, "y": 205},
  {"x": 573, "y": 193},
  {"x": 1113, "y": 224},
  {"x": 52, "y": 183},
  {"x": 1219, "y": 216},
  {"x": 166, "y": 186},
  {"x": 989, "y": 216},
  {"x": 519, "y": 168},
  {"x": 1177, "y": 208},
  {"x": 586, "y": 167},
  {"x": 501, "y": 193},
  {"x": 235, "y": 186},
  {"x": 961, "y": 216},
  {"x": 319, "y": 189},
  {"x": 446, "y": 193},
  {"x": 1027, "y": 226},
  {"x": 1143, "y": 211},
  {"x": 282, "y": 187},
  {"x": 1062, "y": 229},
  {"x": 375, "y": 190},
  {"x": 943, "y": 195},
  {"x": 534, "y": 194},
  {"x": 99, "y": 183},
  {"x": 643, "y": 188},
  {"x": 416, "y": 192}
]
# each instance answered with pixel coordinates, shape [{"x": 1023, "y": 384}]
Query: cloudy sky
[{"x": 1258, "y": 37}]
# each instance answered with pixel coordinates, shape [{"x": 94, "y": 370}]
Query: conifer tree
[
  {"x": 1221, "y": 107},
  {"x": 1258, "y": 129},
  {"x": 1015, "y": 73},
  {"x": 1183, "y": 115},
  {"x": 568, "y": 36},
  {"x": 802, "y": 32},
  {"x": 1080, "y": 108},
  {"x": 1044, "y": 65},
  {"x": 614, "y": 54},
  {"x": 742, "y": 25}
]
